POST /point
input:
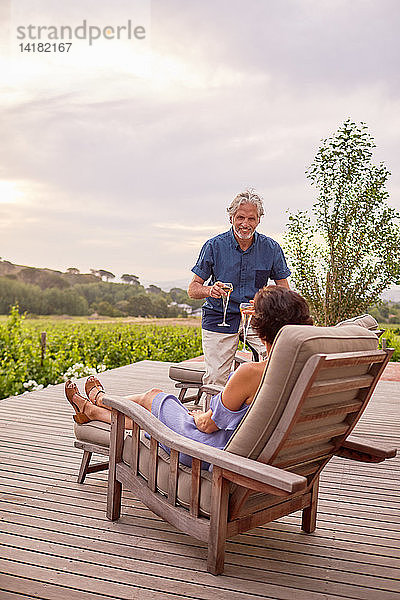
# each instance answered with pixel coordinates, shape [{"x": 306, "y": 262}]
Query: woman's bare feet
[{"x": 94, "y": 390}]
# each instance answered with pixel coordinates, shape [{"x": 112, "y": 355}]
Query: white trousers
[{"x": 219, "y": 352}]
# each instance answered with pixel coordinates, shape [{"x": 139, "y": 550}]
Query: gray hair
[{"x": 247, "y": 197}]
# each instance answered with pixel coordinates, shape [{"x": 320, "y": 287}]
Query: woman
[{"x": 274, "y": 307}]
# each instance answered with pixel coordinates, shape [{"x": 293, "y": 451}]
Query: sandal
[
  {"x": 70, "y": 390},
  {"x": 93, "y": 383}
]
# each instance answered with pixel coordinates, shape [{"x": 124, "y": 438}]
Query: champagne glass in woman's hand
[{"x": 246, "y": 311}]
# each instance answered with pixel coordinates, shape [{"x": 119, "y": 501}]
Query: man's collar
[{"x": 236, "y": 243}]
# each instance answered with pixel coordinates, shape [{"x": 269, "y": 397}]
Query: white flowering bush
[
  {"x": 32, "y": 386},
  {"x": 79, "y": 370}
]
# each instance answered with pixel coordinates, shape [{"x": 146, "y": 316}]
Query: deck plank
[{"x": 54, "y": 534}]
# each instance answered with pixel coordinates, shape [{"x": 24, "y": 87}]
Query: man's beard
[{"x": 242, "y": 236}]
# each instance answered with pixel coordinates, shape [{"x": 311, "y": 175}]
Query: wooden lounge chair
[
  {"x": 317, "y": 383},
  {"x": 94, "y": 437}
]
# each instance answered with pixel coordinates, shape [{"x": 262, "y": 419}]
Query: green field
[{"x": 76, "y": 347}]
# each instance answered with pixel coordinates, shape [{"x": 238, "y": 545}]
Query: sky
[{"x": 124, "y": 154}]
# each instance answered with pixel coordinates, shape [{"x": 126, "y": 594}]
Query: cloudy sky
[{"x": 124, "y": 154}]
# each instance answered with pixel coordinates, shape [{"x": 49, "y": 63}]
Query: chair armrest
[
  {"x": 365, "y": 451},
  {"x": 240, "y": 359},
  {"x": 188, "y": 384},
  {"x": 247, "y": 468},
  {"x": 211, "y": 389}
]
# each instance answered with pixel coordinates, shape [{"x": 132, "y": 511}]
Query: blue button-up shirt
[{"x": 222, "y": 259}]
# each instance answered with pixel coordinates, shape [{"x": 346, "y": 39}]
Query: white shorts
[{"x": 219, "y": 352}]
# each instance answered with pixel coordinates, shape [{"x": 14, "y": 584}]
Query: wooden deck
[{"x": 57, "y": 544}]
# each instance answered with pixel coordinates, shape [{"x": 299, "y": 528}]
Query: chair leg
[
  {"x": 83, "y": 470},
  {"x": 218, "y": 523},
  {"x": 114, "y": 490},
  {"x": 206, "y": 402},
  {"x": 309, "y": 516},
  {"x": 113, "y": 497},
  {"x": 198, "y": 396},
  {"x": 182, "y": 393}
]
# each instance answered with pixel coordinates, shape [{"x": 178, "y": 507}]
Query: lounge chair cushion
[
  {"x": 184, "y": 473},
  {"x": 188, "y": 371},
  {"x": 292, "y": 347},
  {"x": 94, "y": 432},
  {"x": 98, "y": 433},
  {"x": 366, "y": 321}
]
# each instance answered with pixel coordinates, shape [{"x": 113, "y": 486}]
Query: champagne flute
[
  {"x": 228, "y": 287},
  {"x": 245, "y": 307}
]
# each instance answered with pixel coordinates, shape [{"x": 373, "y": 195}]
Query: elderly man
[{"x": 245, "y": 258}]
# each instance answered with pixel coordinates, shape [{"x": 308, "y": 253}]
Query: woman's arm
[
  {"x": 242, "y": 385},
  {"x": 239, "y": 390}
]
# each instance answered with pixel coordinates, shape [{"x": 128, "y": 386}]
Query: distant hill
[
  {"x": 43, "y": 275},
  {"x": 47, "y": 291},
  {"x": 45, "y": 278}
]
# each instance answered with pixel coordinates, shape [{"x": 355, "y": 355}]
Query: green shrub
[{"x": 392, "y": 337}]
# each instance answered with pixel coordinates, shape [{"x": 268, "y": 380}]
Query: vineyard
[{"x": 80, "y": 349}]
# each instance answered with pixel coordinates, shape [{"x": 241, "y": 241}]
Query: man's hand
[
  {"x": 203, "y": 421},
  {"x": 198, "y": 290},
  {"x": 217, "y": 290}
]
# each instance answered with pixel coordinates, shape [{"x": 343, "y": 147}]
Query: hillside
[
  {"x": 46, "y": 291},
  {"x": 45, "y": 277}
]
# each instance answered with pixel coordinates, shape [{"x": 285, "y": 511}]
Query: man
[{"x": 245, "y": 258}]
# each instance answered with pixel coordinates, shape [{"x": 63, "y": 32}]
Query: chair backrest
[{"x": 313, "y": 389}]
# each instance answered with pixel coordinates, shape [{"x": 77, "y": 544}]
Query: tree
[
  {"x": 106, "y": 274},
  {"x": 140, "y": 306},
  {"x": 346, "y": 252},
  {"x": 73, "y": 271},
  {"x": 132, "y": 279},
  {"x": 154, "y": 289},
  {"x": 106, "y": 309}
]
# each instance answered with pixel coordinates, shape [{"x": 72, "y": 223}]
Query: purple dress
[{"x": 170, "y": 411}]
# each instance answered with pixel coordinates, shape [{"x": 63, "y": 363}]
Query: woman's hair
[{"x": 276, "y": 306}]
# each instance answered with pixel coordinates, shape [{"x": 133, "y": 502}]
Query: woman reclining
[{"x": 274, "y": 307}]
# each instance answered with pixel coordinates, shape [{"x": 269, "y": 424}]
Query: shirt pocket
[{"x": 261, "y": 279}]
